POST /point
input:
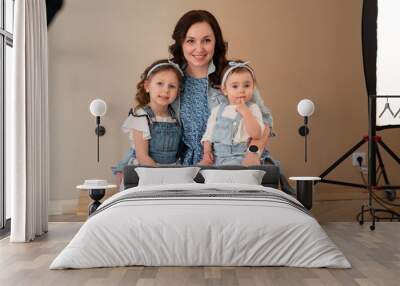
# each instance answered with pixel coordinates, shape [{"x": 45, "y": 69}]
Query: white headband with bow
[
  {"x": 169, "y": 63},
  {"x": 234, "y": 65}
]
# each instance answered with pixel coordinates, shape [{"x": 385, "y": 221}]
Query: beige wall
[{"x": 299, "y": 49}]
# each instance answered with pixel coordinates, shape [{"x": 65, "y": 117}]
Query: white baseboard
[{"x": 59, "y": 207}]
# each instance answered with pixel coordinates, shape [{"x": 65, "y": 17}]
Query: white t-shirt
[
  {"x": 230, "y": 112},
  {"x": 141, "y": 124}
]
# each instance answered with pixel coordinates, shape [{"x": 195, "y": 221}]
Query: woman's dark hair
[
  {"x": 142, "y": 97},
  {"x": 179, "y": 34}
]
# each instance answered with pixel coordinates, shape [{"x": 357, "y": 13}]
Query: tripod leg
[
  {"x": 341, "y": 159},
  {"x": 389, "y": 151},
  {"x": 361, "y": 222},
  {"x": 390, "y": 194},
  {"x": 372, "y": 227}
]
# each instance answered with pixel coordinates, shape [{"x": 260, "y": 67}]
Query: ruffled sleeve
[
  {"x": 210, "y": 125},
  {"x": 255, "y": 110},
  {"x": 138, "y": 122}
]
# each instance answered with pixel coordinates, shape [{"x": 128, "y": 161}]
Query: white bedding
[{"x": 200, "y": 231}]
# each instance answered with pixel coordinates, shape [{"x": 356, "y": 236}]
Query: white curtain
[{"x": 28, "y": 126}]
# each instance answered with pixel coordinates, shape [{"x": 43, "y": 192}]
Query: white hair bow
[
  {"x": 169, "y": 63},
  {"x": 234, "y": 65}
]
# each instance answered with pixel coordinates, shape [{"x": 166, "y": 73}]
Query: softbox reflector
[{"x": 388, "y": 63}]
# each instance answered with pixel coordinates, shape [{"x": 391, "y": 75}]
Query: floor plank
[{"x": 375, "y": 257}]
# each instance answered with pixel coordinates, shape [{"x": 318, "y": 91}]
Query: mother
[{"x": 200, "y": 50}]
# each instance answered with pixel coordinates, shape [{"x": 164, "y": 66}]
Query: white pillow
[
  {"x": 249, "y": 177},
  {"x": 166, "y": 176}
]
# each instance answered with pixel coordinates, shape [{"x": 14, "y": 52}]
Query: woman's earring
[{"x": 211, "y": 66}]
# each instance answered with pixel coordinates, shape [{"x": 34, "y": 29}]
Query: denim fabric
[
  {"x": 225, "y": 128},
  {"x": 215, "y": 97},
  {"x": 165, "y": 139},
  {"x": 225, "y": 154},
  {"x": 164, "y": 144},
  {"x": 119, "y": 167}
]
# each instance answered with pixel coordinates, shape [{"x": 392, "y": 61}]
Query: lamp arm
[
  {"x": 305, "y": 147},
  {"x": 98, "y": 136},
  {"x": 305, "y": 137}
]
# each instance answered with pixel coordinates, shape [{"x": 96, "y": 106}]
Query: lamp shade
[
  {"x": 305, "y": 107},
  {"x": 98, "y": 107}
]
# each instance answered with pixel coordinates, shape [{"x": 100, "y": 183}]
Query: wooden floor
[{"x": 374, "y": 255}]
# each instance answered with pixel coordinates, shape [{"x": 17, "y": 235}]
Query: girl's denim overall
[
  {"x": 164, "y": 143},
  {"x": 165, "y": 138},
  {"x": 226, "y": 152}
]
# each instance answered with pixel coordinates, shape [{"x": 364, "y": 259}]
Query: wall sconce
[
  {"x": 305, "y": 108},
  {"x": 98, "y": 108}
]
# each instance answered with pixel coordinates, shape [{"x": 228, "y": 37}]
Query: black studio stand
[{"x": 374, "y": 155}]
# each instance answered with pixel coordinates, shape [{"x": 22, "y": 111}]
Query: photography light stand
[
  {"x": 371, "y": 140},
  {"x": 373, "y": 154},
  {"x": 371, "y": 26},
  {"x": 372, "y": 185},
  {"x": 388, "y": 188}
]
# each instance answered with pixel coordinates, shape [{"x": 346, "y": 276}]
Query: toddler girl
[
  {"x": 230, "y": 126},
  {"x": 153, "y": 128}
]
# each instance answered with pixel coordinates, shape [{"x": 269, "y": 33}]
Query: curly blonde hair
[{"x": 142, "y": 97}]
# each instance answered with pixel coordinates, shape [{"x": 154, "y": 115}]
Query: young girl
[
  {"x": 153, "y": 128},
  {"x": 230, "y": 127}
]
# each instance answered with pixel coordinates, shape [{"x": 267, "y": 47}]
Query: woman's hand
[
  {"x": 251, "y": 159},
  {"x": 254, "y": 158},
  {"x": 208, "y": 156},
  {"x": 208, "y": 159}
]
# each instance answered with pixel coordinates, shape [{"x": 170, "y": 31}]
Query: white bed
[{"x": 242, "y": 226}]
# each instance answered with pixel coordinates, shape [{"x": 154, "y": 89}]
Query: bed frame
[{"x": 270, "y": 179}]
